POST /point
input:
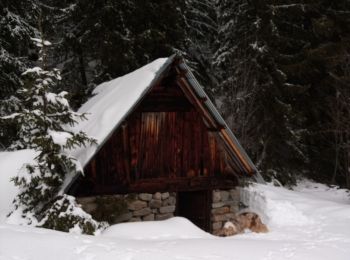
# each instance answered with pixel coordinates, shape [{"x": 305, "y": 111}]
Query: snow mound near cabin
[
  {"x": 10, "y": 165},
  {"x": 326, "y": 237},
  {"x": 173, "y": 228},
  {"x": 310, "y": 212},
  {"x": 275, "y": 210}
]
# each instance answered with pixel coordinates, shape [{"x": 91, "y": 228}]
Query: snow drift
[
  {"x": 11, "y": 163},
  {"x": 174, "y": 228},
  {"x": 311, "y": 222}
]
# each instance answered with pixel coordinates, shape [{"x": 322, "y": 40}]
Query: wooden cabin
[{"x": 171, "y": 141}]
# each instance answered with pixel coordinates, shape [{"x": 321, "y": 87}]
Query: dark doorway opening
[{"x": 195, "y": 206}]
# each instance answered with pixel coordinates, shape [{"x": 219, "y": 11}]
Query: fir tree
[
  {"x": 17, "y": 25},
  {"x": 202, "y": 27},
  {"x": 43, "y": 118},
  {"x": 309, "y": 46},
  {"x": 103, "y": 39},
  {"x": 236, "y": 68},
  {"x": 252, "y": 87}
]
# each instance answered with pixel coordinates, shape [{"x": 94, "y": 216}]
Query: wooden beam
[
  {"x": 225, "y": 136},
  {"x": 166, "y": 184},
  {"x": 209, "y": 118},
  {"x": 196, "y": 102}
]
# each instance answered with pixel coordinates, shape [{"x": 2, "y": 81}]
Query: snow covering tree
[
  {"x": 252, "y": 86},
  {"x": 201, "y": 18},
  {"x": 91, "y": 35},
  {"x": 17, "y": 25},
  {"x": 43, "y": 119},
  {"x": 104, "y": 39},
  {"x": 279, "y": 138},
  {"x": 235, "y": 68},
  {"x": 316, "y": 59},
  {"x": 276, "y": 68}
]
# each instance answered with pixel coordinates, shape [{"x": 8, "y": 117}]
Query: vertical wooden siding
[{"x": 164, "y": 137}]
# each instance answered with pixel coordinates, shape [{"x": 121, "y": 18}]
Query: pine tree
[
  {"x": 43, "y": 118},
  {"x": 103, "y": 39},
  {"x": 256, "y": 98},
  {"x": 17, "y": 25},
  {"x": 202, "y": 27},
  {"x": 17, "y": 20},
  {"x": 282, "y": 153},
  {"x": 236, "y": 69}
]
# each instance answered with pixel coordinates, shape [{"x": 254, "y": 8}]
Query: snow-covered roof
[
  {"x": 111, "y": 103},
  {"x": 114, "y": 100}
]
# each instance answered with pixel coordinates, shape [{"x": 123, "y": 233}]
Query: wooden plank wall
[
  {"x": 165, "y": 137},
  {"x": 158, "y": 144}
]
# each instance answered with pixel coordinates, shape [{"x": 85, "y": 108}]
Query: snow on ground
[
  {"x": 174, "y": 228},
  {"x": 311, "y": 222},
  {"x": 10, "y": 166}
]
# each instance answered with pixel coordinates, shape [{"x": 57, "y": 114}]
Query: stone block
[
  {"x": 217, "y": 225},
  {"x": 234, "y": 194},
  {"x": 135, "y": 220},
  {"x": 142, "y": 212},
  {"x": 155, "y": 204},
  {"x": 234, "y": 209},
  {"x": 157, "y": 196},
  {"x": 224, "y": 195},
  {"x": 231, "y": 203},
  {"x": 137, "y": 205},
  {"x": 149, "y": 217},
  {"x": 221, "y": 210},
  {"x": 172, "y": 200},
  {"x": 218, "y": 218},
  {"x": 117, "y": 196},
  {"x": 223, "y": 217},
  {"x": 123, "y": 217},
  {"x": 216, "y": 196},
  {"x": 145, "y": 196},
  {"x": 169, "y": 201},
  {"x": 165, "y": 195},
  {"x": 164, "y": 216},
  {"x": 167, "y": 209},
  {"x": 217, "y": 205}
]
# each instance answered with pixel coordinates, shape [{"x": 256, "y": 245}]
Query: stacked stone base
[
  {"x": 225, "y": 207},
  {"x": 158, "y": 206},
  {"x": 135, "y": 207}
]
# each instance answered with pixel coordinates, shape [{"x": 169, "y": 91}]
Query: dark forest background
[{"x": 279, "y": 70}]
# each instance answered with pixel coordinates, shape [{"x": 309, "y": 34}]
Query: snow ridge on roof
[{"x": 111, "y": 103}]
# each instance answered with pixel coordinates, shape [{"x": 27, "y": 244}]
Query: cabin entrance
[{"x": 195, "y": 206}]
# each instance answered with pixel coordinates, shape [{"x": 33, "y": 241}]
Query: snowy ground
[{"x": 311, "y": 222}]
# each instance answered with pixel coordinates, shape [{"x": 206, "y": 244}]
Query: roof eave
[{"x": 211, "y": 108}]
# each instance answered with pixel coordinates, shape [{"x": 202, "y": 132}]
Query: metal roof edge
[{"x": 215, "y": 113}]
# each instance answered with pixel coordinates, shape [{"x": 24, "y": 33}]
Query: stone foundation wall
[
  {"x": 225, "y": 206},
  {"x": 130, "y": 207},
  {"x": 158, "y": 206}
]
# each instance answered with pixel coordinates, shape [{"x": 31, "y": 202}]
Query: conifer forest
[{"x": 278, "y": 70}]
